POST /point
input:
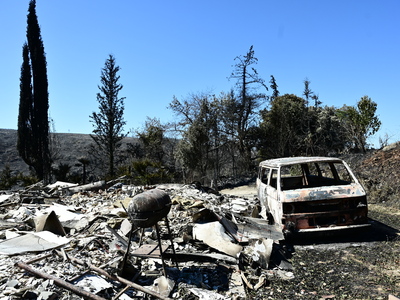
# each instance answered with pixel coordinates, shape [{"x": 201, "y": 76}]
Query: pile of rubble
[{"x": 72, "y": 242}]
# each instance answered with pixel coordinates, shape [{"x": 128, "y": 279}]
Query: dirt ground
[
  {"x": 247, "y": 191},
  {"x": 353, "y": 265}
]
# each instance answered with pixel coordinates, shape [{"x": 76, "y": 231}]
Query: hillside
[
  {"x": 8, "y": 151},
  {"x": 72, "y": 146},
  {"x": 379, "y": 172}
]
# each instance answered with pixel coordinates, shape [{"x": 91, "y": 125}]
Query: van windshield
[{"x": 315, "y": 174}]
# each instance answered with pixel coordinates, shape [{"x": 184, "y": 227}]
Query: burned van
[{"x": 306, "y": 194}]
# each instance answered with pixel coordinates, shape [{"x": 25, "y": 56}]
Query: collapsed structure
[{"x": 166, "y": 241}]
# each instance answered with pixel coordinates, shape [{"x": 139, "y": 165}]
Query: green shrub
[{"x": 146, "y": 172}]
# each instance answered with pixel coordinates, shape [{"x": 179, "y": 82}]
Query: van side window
[
  {"x": 274, "y": 178},
  {"x": 264, "y": 175}
]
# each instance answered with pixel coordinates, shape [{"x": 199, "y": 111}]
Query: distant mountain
[
  {"x": 72, "y": 146},
  {"x": 8, "y": 152}
]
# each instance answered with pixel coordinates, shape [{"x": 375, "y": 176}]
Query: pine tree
[
  {"x": 33, "y": 121},
  {"x": 274, "y": 87},
  {"x": 108, "y": 122}
]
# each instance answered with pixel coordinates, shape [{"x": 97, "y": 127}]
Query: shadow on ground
[{"x": 377, "y": 232}]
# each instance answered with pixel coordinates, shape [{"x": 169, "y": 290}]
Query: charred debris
[{"x": 170, "y": 241}]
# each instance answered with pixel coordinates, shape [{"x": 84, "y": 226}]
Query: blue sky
[{"x": 347, "y": 49}]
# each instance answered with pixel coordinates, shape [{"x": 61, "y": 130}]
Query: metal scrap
[{"x": 211, "y": 240}]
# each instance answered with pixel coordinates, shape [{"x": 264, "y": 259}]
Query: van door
[
  {"x": 262, "y": 183},
  {"x": 273, "y": 199},
  {"x": 267, "y": 190}
]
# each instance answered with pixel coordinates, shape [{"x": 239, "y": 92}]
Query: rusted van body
[{"x": 306, "y": 194}]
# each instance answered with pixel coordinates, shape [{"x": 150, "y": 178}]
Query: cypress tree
[
  {"x": 108, "y": 123},
  {"x": 25, "y": 109},
  {"x": 33, "y": 120}
]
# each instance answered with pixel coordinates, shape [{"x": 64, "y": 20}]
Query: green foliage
[
  {"x": 27, "y": 180},
  {"x": 284, "y": 126},
  {"x": 83, "y": 162},
  {"x": 274, "y": 87},
  {"x": 25, "y": 137},
  {"x": 193, "y": 150},
  {"x": 108, "y": 123},
  {"x": 194, "y": 147},
  {"x": 61, "y": 172},
  {"x": 7, "y": 180},
  {"x": 307, "y": 93},
  {"x": 152, "y": 140},
  {"x": 328, "y": 133},
  {"x": 366, "y": 119},
  {"x": 361, "y": 122},
  {"x": 33, "y": 121},
  {"x": 291, "y": 128},
  {"x": 295, "y": 126},
  {"x": 151, "y": 155},
  {"x": 146, "y": 172}
]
